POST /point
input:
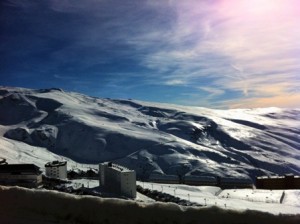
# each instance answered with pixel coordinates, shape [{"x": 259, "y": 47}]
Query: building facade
[
  {"x": 25, "y": 175},
  {"x": 56, "y": 169},
  {"x": 163, "y": 179},
  {"x": 278, "y": 182},
  {"x": 200, "y": 180},
  {"x": 117, "y": 179},
  {"x": 234, "y": 182}
]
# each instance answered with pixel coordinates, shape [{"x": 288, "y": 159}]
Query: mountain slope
[{"x": 152, "y": 137}]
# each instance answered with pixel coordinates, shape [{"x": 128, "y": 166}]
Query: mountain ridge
[{"x": 153, "y": 137}]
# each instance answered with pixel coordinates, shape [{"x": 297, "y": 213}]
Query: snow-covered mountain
[{"x": 149, "y": 137}]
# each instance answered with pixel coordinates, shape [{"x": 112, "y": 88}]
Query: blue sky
[{"x": 210, "y": 53}]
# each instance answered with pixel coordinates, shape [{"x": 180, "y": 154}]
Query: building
[
  {"x": 92, "y": 174},
  {"x": 163, "y": 178},
  {"x": 25, "y": 175},
  {"x": 74, "y": 174},
  {"x": 231, "y": 182},
  {"x": 56, "y": 169},
  {"x": 200, "y": 180},
  {"x": 118, "y": 179},
  {"x": 288, "y": 181}
]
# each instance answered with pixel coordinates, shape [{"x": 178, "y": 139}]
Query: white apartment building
[
  {"x": 56, "y": 169},
  {"x": 118, "y": 179}
]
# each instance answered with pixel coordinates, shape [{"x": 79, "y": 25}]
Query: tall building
[
  {"x": 118, "y": 179},
  {"x": 56, "y": 169}
]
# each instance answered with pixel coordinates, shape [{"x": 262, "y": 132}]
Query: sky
[{"x": 207, "y": 53}]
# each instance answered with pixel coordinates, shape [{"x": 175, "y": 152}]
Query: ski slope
[
  {"x": 152, "y": 138},
  {"x": 234, "y": 199}
]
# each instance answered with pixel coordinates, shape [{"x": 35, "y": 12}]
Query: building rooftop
[
  {"x": 118, "y": 167},
  {"x": 20, "y": 168},
  {"x": 277, "y": 177},
  {"x": 156, "y": 176},
  {"x": 236, "y": 180},
  {"x": 56, "y": 163},
  {"x": 200, "y": 178}
]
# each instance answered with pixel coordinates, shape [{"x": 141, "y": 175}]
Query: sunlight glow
[{"x": 255, "y": 8}]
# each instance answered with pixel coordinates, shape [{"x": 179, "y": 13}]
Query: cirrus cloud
[{"x": 216, "y": 52}]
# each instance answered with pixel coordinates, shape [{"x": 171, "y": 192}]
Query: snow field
[
  {"x": 18, "y": 152},
  {"x": 237, "y": 199}
]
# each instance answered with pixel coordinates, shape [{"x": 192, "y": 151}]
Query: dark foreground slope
[{"x": 19, "y": 205}]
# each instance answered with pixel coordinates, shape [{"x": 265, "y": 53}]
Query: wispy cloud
[
  {"x": 215, "y": 52},
  {"x": 246, "y": 46},
  {"x": 212, "y": 91},
  {"x": 285, "y": 101},
  {"x": 175, "y": 82}
]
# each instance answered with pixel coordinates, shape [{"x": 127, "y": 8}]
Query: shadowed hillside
[{"x": 152, "y": 137}]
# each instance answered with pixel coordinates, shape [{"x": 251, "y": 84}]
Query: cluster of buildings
[
  {"x": 120, "y": 180},
  {"x": 223, "y": 182},
  {"x": 78, "y": 173},
  {"x": 30, "y": 175},
  {"x": 113, "y": 178},
  {"x": 288, "y": 181}
]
